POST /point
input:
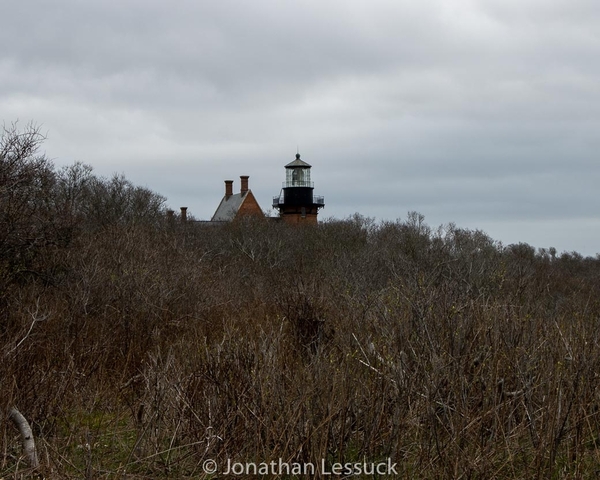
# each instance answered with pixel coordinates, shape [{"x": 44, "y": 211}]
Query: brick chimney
[
  {"x": 184, "y": 214},
  {"x": 244, "y": 179},
  {"x": 228, "y": 188}
]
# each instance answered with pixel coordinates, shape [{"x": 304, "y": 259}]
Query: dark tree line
[{"x": 42, "y": 208}]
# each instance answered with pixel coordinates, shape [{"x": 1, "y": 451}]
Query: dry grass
[{"x": 144, "y": 350}]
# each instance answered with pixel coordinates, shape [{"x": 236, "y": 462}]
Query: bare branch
[{"x": 26, "y": 436}]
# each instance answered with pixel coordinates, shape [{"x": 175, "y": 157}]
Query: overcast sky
[{"x": 485, "y": 113}]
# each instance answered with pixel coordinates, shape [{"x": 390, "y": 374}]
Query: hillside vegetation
[{"x": 139, "y": 347}]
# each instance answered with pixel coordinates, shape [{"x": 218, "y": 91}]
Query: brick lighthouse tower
[{"x": 296, "y": 202}]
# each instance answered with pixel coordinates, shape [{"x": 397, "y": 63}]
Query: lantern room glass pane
[{"x": 298, "y": 177}]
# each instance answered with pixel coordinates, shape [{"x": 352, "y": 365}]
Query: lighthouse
[{"x": 296, "y": 202}]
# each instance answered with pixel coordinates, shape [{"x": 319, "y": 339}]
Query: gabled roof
[
  {"x": 298, "y": 163},
  {"x": 228, "y": 208},
  {"x": 240, "y": 204}
]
